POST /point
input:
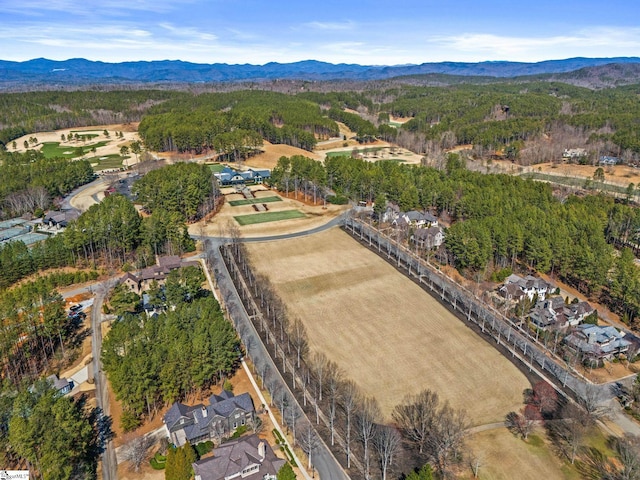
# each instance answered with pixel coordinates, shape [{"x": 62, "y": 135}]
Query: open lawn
[
  {"x": 251, "y": 201},
  {"x": 388, "y": 334},
  {"x": 266, "y": 217},
  {"x": 503, "y": 456},
  {"x": 106, "y": 162}
]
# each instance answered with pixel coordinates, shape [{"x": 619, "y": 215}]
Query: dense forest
[
  {"x": 58, "y": 436},
  {"x": 154, "y": 362},
  {"x": 29, "y": 182},
  {"x": 234, "y": 124},
  {"x": 188, "y": 190}
]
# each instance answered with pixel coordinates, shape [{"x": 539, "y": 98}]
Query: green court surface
[{"x": 268, "y": 217}]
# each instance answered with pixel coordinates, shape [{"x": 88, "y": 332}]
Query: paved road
[{"x": 109, "y": 463}]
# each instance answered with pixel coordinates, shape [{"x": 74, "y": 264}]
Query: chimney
[
  {"x": 592, "y": 338},
  {"x": 262, "y": 450},
  {"x": 204, "y": 411}
]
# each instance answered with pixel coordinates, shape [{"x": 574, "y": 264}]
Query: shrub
[
  {"x": 498, "y": 276},
  {"x": 242, "y": 429},
  {"x": 158, "y": 461},
  {"x": 129, "y": 421},
  {"x": 203, "y": 448}
]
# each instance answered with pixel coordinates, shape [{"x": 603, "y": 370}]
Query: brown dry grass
[
  {"x": 271, "y": 153},
  {"x": 504, "y": 456},
  {"x": 389, "y": 335}
]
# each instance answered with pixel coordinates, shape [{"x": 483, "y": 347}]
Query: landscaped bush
[
  {"x": 203, "y": 448},
  {"x": 158, "y": 461},
  {"x": 241, "y": 430}
]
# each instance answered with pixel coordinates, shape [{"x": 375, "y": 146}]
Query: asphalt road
[{"x": 109, "y": 462}]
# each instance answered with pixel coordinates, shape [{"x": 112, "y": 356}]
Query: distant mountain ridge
[{"x": 81, "y": 71}]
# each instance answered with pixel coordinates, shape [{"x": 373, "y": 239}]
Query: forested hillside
[
  {"x": 30, "y": 181},
  {"x": 24, "y": 113},
  {"x": 234, "y": 124}
]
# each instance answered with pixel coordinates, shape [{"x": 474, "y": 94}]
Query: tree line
[{"x": 355, "y": 427}]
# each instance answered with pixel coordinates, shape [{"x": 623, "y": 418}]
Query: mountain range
[{"x": 80, "y": 71}]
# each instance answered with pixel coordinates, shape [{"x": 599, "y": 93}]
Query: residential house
[
  {"x": 596, "y": 342},
  {"x": 62, "y": 385},
  {"x": 61, "y": 218},
  {"x": 224, "y": 414},
  {"x": 553, "y": 312},
  {"x": 141, "y": 281},
  {"x": 428, "y": 238},
  {"x": 606, "y": 160},
  {"x": 391, "y": 213},
  {"x": 249, "y": 458},
  {"x": 574, "y": 153},
  {"x": 414, "y": 218},
  {"x": 530, "y": 285}
]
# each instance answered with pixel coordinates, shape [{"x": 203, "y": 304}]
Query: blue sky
[{"x": 368, "y": 32}]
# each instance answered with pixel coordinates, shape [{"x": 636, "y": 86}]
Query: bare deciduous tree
[
  {"x": 350, "y": 397},
  {"x": 367, "y": 417},
  {"x": 447, "y": 435},
  {"x": 298, "y": 337},
  {"x": 387, "y": 444},
  {"x": 136, "y": 450},
  {"x": 332, "y": 385},
  {"x": 415, "y": 417},
  {"x": 308, "y": 441}
]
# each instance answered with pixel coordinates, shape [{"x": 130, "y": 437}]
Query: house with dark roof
[
  {"x": 249, "y": 458},
  {"x": 60, "y": 218},
  {"x": 141, "y": 281},
  {"x": 597, "y": 343},
  {"x": 218, "y": 420},
  {"x": 554, "y": 313},
  {"x": 229, "y": 176},
  {"x": 62, "y": 385}
]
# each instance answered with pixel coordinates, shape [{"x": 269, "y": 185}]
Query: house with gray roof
[
  {"x": 249, "y": 458},
  {"x": 553, "y": 312},
  {"x": 218, "y": 420},
  {"x": 428, "y": 238},
  {"x": 597, "y": 343}
]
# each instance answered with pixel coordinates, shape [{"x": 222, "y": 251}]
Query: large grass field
[
  {"x": 268, "y": 217},
  {"x": 383, "y": 330},
  {"x": 251, "y": 201}
]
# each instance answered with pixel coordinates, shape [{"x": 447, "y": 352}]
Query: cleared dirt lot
[{"x": 389, "y": 335}]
